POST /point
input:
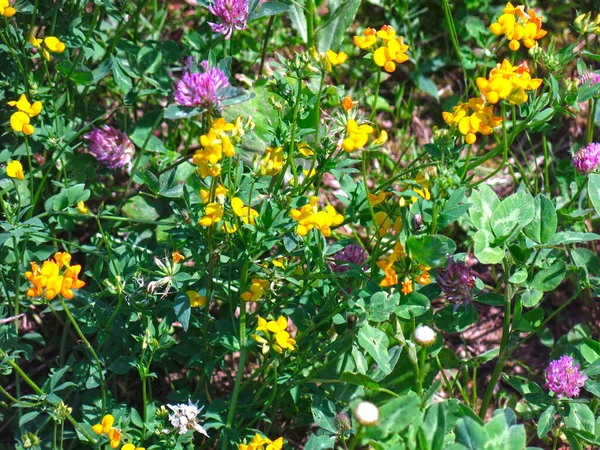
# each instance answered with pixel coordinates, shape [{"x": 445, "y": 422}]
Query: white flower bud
[
  {"x": 366, "y": 413},
  {"x": 424, "y": 335}
]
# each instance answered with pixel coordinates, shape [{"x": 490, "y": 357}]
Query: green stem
[
  {"x": 310, "y": 23},
  {"x": 591, "y": 120},
  {"x": 371, "y": 210},
  {"x": 263, "y": 53},
  {"x": 90, "y": 349},
  {"x": 12, "y": 52},
  {"x": 455, "y": 43},
  {"x": 376, "y": 98}
]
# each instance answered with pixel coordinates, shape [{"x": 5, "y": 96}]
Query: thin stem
[
  {"x": 90, "y": 349},
  {"x": 376, "y": 98},
  {"x": 310, "y": 24},
  {"x": 263, "y": 53},
  {"x": 455, "y": 43},
  {"x": 591, "y": 120}
]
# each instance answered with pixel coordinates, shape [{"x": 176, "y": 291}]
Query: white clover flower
[
  {"x": 366, "y": 413},
  {"x": 424, "y": 335},
  {"x": 185, "y": 417}
]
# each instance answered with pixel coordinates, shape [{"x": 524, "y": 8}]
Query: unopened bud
[
  {"x": 342, "y": 422},
  {"x": 424, "y": 335},
  {"x": 417, "y": 223},
  {"x": 366, "y": 413}
]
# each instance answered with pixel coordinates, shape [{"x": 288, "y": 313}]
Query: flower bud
[
  {"x": 417, "y": 223},
  {"x": 366, "y": 413},
  {"x": 424, "y": 335},
  {"x": 342, "y": 422}
]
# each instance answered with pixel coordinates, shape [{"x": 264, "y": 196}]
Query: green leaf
[
  {"x": 512, "y": 214},
  {"x": 375, "y": 343},
  {"x": 484, "y": 251},
  {"x": 544, "y": 223},
  {"x": 79, "y": 75},
  {"x": 520, "y": 276},
  {"x": 122, "y": 364},
  {"x": 431, "y": 251},
  {"x": 333, "y": 32},
  {"x": 471, "y": 434},
  {"x": 381, "y": 306},
  {"x": 446, "y": 319},
  {"x": 594, "y": 190},
  {"x": 140, "y": 207},
  {"x": 434, "y": 426},
  {"x": 412, "y": 305},
  {"x": 358, "y": 379},
  {"x": 454, "y": 209},
  {"x": 546, "y": 421},
  {"x": 579, "y": 417},
  {"x": 572, "y": 237},
  {"x": 28, "y": 417},
  {"x": 320, "y": 442},
  {"x": 483, "y": 203},
  {"x": 323, "y": 412},
  {"x": 268, "y": 9},
  {"x": 181, "y": 112},
  {"x": 531, "y": 297},
  {"x": 122, "y": 79},
  {"x": 296, "y": 15},
  {"x": 395, "y": 416},
  {"x": 548, "y": 279},
  {"x": 530, "y": 321},
  {"x": 183, "y": 311},
  {"x": 590, "y": 350}
]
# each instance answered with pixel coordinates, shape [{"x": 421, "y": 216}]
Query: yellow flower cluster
[
  {"x": 309, "y": 217},
  {"x": 472, "y": 117},
  {"x": 47, "y": 45},
  {"x": 258, "y": 443},
  {"x": 389, "y": 52},
  {"x": 218, "y": 142},
  {"x": 106, "y": 427},
  {"x": 6, "y": 9},
  {"x": 517, "y": 25},
  {"x": 328, "y": 59},
  {"x": 49, "y": 279},
  {"x": 246, "y": 213},
  {"x": 213, "y": 212},
  {"x": 272, "y": 163},
  {"x": 256, "y": 290},
  {"x": 420, "y": 275},
  {"x": 508, "y": 82},
  {"x": 196, "y": 300},
  {"x": 276, "y": 335},
  {"x": 14, "y": 169},
  {"x": 358, "y": 135},
  {"x": 20, "y": 120}
]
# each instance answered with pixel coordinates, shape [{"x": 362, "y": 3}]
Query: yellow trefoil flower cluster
[
  {"x": 196, "y": 300},
  {"x": 14, "y": 169},
  {"x": 508, "y": 82},
  {"x": 328, "y": 59},
  {"x": 52, "y": 280},
  {"x": 256, "y": 290},
  {"x": 389, "y": 49},
  {"x": 275, "y": 335},
  {"x": 358, "y": 135},
  {"x": 213, "y": 212},
  {"x": 420, "y": 275},
  {"x": 472, "y": 117},
  {"x": 47, "y": 45},
  {"x": 273, "y": 161},
  {"x": 106, "y": 427},
  {"x": 6, "y": 9},
  {"x": 309, "y": 217},
  {"x": 517, "y": 25},
  {"x": 258, "y": 443},
  {"x": 217, "y": 143},
  {"x": 20, "y": 120}
]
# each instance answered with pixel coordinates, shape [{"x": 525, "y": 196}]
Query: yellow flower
[
  {"x": 256, "y": 290},
  {"x": 104, "y": 426},
  {"x": 220, "y": 194},
  {"x": 23, "y": 105},
  {"x": 508, "y": 82},
  {"x": 279, "y": 262},
  {"x": 407, "y": 286},
  {"x": 390, "y": 278},
  {"x": 114, "y": 436},
  {"x": 245, "y": 213},
  {"x": 382, "y": 138},
  {"x": 20, "y": 122},
  {"x": 177, "y": 257},
  {"x": 379, "y": 198},
  {"x": 272, "y": 163},
  {"x": 229, "y": 228},
  {"x": 6, "y": 9},
  {"x": 347, "y": 103},
  {"x": 383, "y": 222},
  {"x": 82, "y": 208},
  {"x": 49, "y": 279},
  {"x": 196, "y": 300},
  {"x": 216, "y": 144},
  {"x": 481, "y": 120},
  {"x": 131, "y": 447},
  {"x": 51, "y": 44},
  {"x": 276, "y": 338},
  {"x": 212, "y": 214},
  {"x": 367, "y": 40},
  {"x": 14, "y": 169},
  {"x": 517, "y": 25},
  {"x": 358, "y": 136},
  {"x": 305, "y": 150},
  {"x": 424, "y": 278},
  {"x": 309, "y": 217},
  {"x": 336, "y": 58}
]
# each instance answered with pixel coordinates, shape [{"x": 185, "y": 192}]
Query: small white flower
[
  {"x": 185, "y": 417},
  {"x": 366, "y": 413},
  {"x": 424, "y": 335}
]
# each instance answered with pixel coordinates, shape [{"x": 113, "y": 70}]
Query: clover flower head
[
  {"x": 592, "y": 77},
  {"x": 424, "y": 335},
  {"x": 456, "y": 282},
  {"x": 185, "y": 417},
  {"x": 366, "y": 413},
  {"x": 200, "y": 88},
  {"x": 587, "y": 158},
  {"x": 565, "y": 377},
  {"x": 351, "y": 254},
  {"x": 232, "y": 14},
  {"x": 111, "y": 147}
]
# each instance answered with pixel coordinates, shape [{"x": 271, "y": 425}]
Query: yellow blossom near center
[
  {"x": 336, "y": 58},
  {"x": 196, "y": 300},
  {"x": 177, "y": 257},
  {"x": 368, "y": 39},
  {"x": 256, "y": 290},
  {"x": 517, "y": 25},
  {"x": 20, "y": 120},
  {"x": 508, "y": 82},
  {"x": 14, "y": 169},
  {"x": 358, "y": 135},
  {"x": 272, "y": 163},
  {"x": 220, "y": 193},
  {"x": 212, "y": 214},
  {"x": 394, "y": 51},
  {"x": 245, "y": 213},
  {"x": 104, "y": 426},
  {"x": 48, "y": 278},
  {"x": 216, "y": 144},
  {"x": 50, "y": 44},
  {"x": 480, "y": 120},
  {"x": 6, "y": 9},
  {"x": 82, "y": 208},
  {"x": 258, "y": 443},
  {"x": 131, "y": 447},
  {"x": 276, "y": 335},
  {"x": 309, "y": 217}
]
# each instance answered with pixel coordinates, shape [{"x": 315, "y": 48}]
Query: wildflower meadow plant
[{"x": 255, "y": 225}]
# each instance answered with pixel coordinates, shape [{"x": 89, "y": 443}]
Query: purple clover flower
[
  {"x": 587, "y": 158},
  {"x": 111, "y": 147},
  {"x": 232, "y": 14},
  {"x": 199, "y": 89},
  {"x": 456, "y": 282},
  {"x": 565, "y": 378},
  {"x": 592, "y": 77},
  {"x": 351, "y": 254}
]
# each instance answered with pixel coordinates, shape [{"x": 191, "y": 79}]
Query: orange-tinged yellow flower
[
  {"x": 20, "y": 122},
  {"x": 48, "y": 279},
  {"x": 196, "y": 300},
  {"x": 424, "y": 278},
  {"x": 6, "y": 9},
  {"x": 368, "y": 39},
  {"x": 212, "y": 214},
  {"x": 347, "y": 103},
  {"x": 508, "y": 82},
  {"x": 256, "y": 290},
  {"x": 220, "y": 194},
  {"x": 517, "y": 25},
  {"x": 471, "y": 118},
  {"x": 50, "y": 44},
  {"x": 383, "y": 222},
  {"x": 309, "y": 217},
  {"x": 104, "y": 426},
  {"x": 14, "y": 169},
  {"x": 388, "y": 55},
  {"x": 379, "y": 198},
  {"x": 390, "y": 275},
  {"x": 407, "y": 286},
  {"x": 23, "y": 105},
  {"x": 358, "y": 135},
  {"x": 114, "y": 437},
  {"x": 272, "y": 163},
  {"x": 177, "y": 257},
  {"x": 216, "y": 144}
]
